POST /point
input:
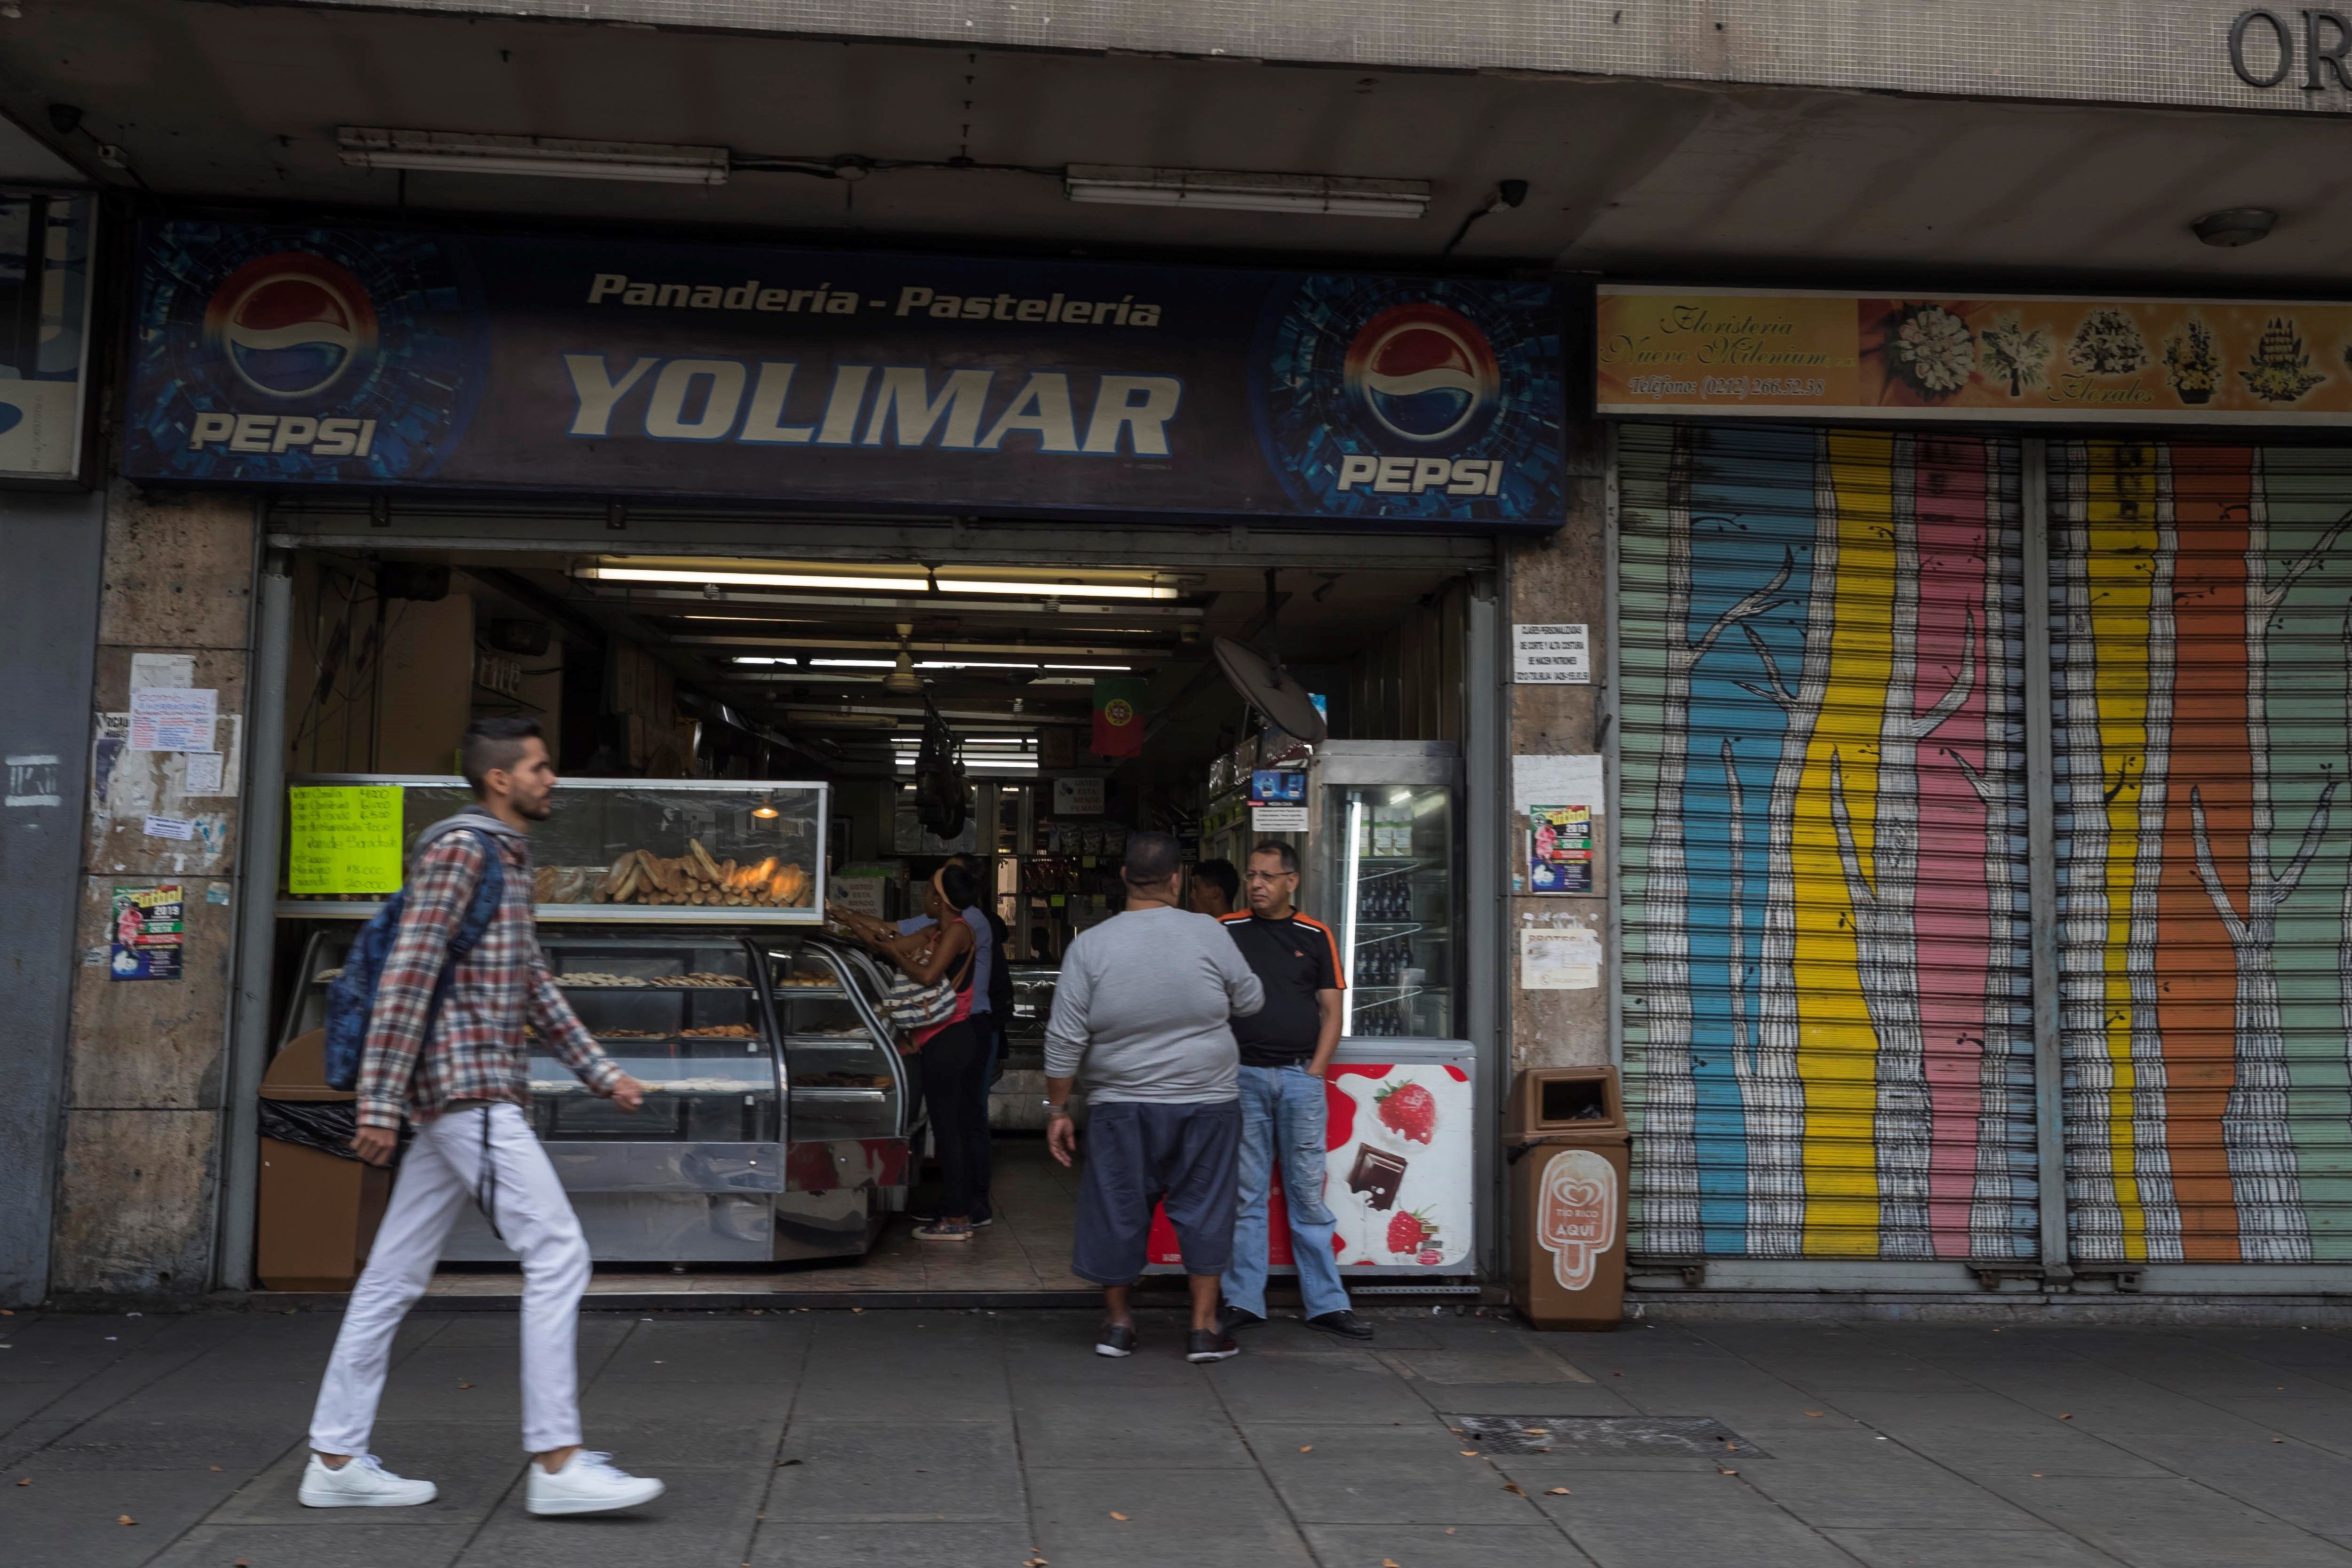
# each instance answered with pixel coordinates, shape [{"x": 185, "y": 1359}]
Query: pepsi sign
[{"x": 381, "y": 358}]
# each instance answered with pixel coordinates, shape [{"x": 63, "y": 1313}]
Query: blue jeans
[{"x": 1282, "y": 1107}]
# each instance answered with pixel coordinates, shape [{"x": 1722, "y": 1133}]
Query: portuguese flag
[{"x": 1119, "y": 717}]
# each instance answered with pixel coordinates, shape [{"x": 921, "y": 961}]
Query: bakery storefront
[
  {"x": 1943, "y": 622},
  {"x": 815, "y": 567}
]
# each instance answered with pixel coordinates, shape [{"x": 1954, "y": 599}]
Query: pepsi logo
[
  {"x": 290, "y": 324},
  {"x": 1423, "y": 373}
]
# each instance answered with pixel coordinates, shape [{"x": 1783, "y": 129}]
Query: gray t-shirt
[{"x": 1144, "y": 1000}]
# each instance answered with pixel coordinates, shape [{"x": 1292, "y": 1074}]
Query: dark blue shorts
[{"x": 1187, "y": 1157}]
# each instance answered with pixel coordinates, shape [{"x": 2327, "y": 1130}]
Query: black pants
[
  {"x": 991, "y": 1050},
  {"x": 955, "y": 1096}
]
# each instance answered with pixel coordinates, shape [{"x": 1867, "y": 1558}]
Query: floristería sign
[{"x": 1734, "y": 353}]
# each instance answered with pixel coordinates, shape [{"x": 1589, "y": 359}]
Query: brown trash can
[
  {"x": 318, "y": 1213},
  {"x": 1567, "y": 1149}
]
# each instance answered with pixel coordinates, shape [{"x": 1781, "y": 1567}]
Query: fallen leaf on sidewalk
[
  {"x": 216, "y": 1469},
  {"x": 465, "y": 1385},
  {"x": 1513, "y": 1486},
  {"x": 1119, "y": 1516},
  {"x": 1723, "y": 1472},
  {"x": 1388, "y": 1562},
  {"x": 1812, "y": 1413},
  {"x": 1469, "y": 1452},
  {"x": 125, "y": 1519},
  {"x": 2066, "y": 1418},
  {"x": 1559, "y": 1491},
  {"x": 781, "y": 1463},
  {"x": 1307, "y": 1448},
  {"x": 26, "y": 1482}
]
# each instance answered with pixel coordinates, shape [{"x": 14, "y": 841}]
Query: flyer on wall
[{"x": 147, "y": 932}]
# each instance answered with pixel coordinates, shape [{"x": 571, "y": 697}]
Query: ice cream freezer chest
[{"x": 1398, "y": 1121}]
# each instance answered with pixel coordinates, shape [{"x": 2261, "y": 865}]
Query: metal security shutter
[
  {"x": 1827, "y": 1047},
  {"x": 2199, "y": 615}
]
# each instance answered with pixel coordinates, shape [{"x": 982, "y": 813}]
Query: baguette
[{"x": 702, "y": 859}]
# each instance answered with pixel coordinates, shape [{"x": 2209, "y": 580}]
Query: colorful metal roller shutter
[
  {"x": 1828, "y": 1032},
  {"x": 2198, "y": 610}
]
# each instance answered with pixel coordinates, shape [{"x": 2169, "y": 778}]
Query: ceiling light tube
[
  {"x": 375, "y": 147},
  {"x": 761, "y": 579},
  {"x": 1334, "y": 195},
  {"x": 1058, "y": 590}
]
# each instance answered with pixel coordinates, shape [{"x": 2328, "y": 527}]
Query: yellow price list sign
[{"x": 343, "y": 839}]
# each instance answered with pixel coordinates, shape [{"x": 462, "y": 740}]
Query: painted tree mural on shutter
[
  {"x": 2202, "y": 721},
  {"x": 1827, "y": 1012}
]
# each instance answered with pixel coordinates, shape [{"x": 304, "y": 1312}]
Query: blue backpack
[{"x": 351, "y": 996}]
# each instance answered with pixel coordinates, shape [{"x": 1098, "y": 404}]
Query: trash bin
[
  {"x": 318, "y": 1210},
  {"x": 1565, "y": 1147}
]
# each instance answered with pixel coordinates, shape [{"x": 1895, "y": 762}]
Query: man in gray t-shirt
[{"x": 1143, "y": 1008}]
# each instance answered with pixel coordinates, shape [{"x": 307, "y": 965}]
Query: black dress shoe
[
  {"x": 1211, "y": 1344},
  {"x": 1234, "y": 1318},
  {"x": 1344, "y": 1323},
  {"x": 1116, "y": 1339}
]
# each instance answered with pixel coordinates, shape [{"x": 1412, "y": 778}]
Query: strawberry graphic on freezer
[{"x": 1397, "y": 1172}]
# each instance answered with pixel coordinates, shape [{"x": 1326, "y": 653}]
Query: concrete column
[
  {"x": 51, "y": 543},
  {"x": 1562, "y": 577},
  {"x": 136, "y": 1193}
]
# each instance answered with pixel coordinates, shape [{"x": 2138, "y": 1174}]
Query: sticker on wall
[
  {"x": 148, "y": 932},
  {"x": 1560, "y": 958},
  {"x": 1559, "y": 849}
]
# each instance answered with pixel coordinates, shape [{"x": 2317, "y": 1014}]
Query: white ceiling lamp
[
  {"x": 913, "y": 579},
  {"x": 547, "y": 157},
  {"x": 902, "y": 680},
  {"x": 1335, "y": 195}
]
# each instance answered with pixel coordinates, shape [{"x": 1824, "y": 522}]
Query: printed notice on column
[{"x": 1552, "y": 654}]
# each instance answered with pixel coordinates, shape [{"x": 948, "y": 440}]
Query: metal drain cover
[{"x": 1691, "y": 1436}]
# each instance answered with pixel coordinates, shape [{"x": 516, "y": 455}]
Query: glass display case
[
  {"x": 776, "y": 1118},
  {"x": 1382, "y": 874},
  {"x": 672, "y": 851}
]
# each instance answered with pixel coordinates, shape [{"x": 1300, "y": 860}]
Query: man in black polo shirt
[{"x": 1286, "y": 1046}]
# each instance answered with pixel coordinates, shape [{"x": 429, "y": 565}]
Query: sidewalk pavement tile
[
  {"x": 1513, "y": 1398},
  {"x": 1337, "y": 1389},
  {"x": 1974, "y": 1549},
  {"x": 897, "y": 1473},
  {"x": 830, "y": 1544},
  {"x": 291, "y": 1546},
  {"x": 472, "y": 1465},
  {"x": 703, "y": 1519},
  {"x": 1175, "y": 1519},
  {"x": 2289, "y": 1480},
  {"x": 1739, "y": 1527},
  {"x": 1851, "y": 1480},
  {"x": 114, "y": 1444},
  {"x": 2170, "y": 1523},
  {"x": 1182, "y": 1426},
  {"x": 1984, "y": 1455},
  {"x": 1436, "y": 1546},
  {"x": 23, "y": 1400},
  {"x": 70, "y": 1517},
  {"x": 1381, "y": 1474}
]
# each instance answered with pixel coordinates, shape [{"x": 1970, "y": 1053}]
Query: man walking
[
  {"x": 1143, "y": 1006},
  {"x": 1285, "y": 1048},
  {"x": 465, "y": 1085}
]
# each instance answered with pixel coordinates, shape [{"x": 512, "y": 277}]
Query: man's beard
[{"x": 538, "y": 810}]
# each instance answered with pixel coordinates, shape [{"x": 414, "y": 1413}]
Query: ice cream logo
[{"x": 1579, "y": 1218}]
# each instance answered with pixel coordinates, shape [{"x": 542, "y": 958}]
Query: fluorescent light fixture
[
  {"x": 751, "y": 579},
  {"x": 1334, "y": 194},
  {"x": 1092, "y": 588},
  {"x": 755, "y": 658},
  {"x": 374, "y": 147},
  {"x": 913, "y": 579}
]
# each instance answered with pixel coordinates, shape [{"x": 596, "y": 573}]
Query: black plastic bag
[{"x": 324, "y": 1125}]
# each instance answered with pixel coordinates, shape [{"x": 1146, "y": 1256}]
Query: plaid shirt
[{"x": 478, "y": 1050}]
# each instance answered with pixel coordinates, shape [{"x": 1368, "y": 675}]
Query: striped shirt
[{"x": 478, "y": 1050}]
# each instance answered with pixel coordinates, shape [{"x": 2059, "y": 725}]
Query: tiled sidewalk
[{"x": 834, "y": 1438}]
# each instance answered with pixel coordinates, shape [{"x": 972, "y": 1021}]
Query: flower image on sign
[{"x": 1740, "y": 354}]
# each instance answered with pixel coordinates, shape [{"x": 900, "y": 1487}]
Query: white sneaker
[
  {"x": 363, "y": 1482},
  {"x": 587, "y": 1484}
]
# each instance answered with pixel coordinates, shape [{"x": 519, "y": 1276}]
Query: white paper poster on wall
[
  {"x": 1551, "y": 654},
  {"x": 1543, "y": 781}
]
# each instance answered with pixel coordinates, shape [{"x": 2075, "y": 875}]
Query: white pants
[{"x": 440, "y": 1175}]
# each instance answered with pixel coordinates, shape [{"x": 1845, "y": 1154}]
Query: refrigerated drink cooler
[{"x": 1400, "y": 1101}]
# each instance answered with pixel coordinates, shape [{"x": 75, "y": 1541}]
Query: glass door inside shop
[{"x": 1388, "y": 861}]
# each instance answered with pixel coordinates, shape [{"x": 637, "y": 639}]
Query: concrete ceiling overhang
[{"x": 239, "y": 103}]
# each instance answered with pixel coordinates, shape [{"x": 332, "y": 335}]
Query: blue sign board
[{"x": 379, "y": 358}]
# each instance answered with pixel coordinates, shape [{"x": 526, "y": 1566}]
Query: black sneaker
[
  {"x": 1234, "y": 1318},
  {"x": 1116, "y": 1339},
  {"x": 1344, "y": 1323},
  {"x": 1211, "y": 1344}
]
